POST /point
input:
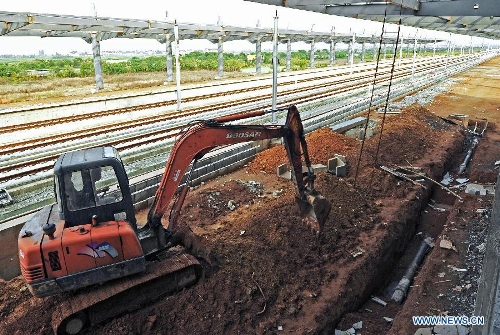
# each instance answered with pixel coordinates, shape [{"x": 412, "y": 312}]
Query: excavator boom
[{"x": 201, "y": 138}]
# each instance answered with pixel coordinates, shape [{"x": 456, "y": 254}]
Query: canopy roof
[{"x": 479, "y": 18}]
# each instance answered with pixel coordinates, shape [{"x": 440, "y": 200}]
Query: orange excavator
[{"x": 91, "y": 237}]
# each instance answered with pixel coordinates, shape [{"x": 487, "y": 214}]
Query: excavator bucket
[{"x": 314, "y": 210}]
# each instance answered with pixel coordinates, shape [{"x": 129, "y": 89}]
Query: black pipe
[{"x": 404, "y": 283}]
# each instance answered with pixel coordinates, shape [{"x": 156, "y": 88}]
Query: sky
[{"x": 228, "y": 12}]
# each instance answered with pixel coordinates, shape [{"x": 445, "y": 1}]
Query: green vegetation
[
  {"x": 24, "y": 69},
  {"x": 28, "y": 69}
]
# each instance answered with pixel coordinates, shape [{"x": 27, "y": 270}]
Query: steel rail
[{"x": 45, "y": 163}]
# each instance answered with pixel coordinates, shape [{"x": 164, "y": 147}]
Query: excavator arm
[{"x": 206, "y": 135}]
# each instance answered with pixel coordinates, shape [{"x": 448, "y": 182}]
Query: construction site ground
[{"x": 273, "y": 275}]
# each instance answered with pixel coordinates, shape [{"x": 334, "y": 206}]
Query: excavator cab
[{"x": 92, "y": 185}]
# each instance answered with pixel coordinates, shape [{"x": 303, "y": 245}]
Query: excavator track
[{"x": 93, "y": 305}]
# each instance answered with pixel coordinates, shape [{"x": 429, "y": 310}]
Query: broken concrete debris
[
  {"x": 358, "y": 325},
  {"x": 457, "y": 269},
  {"x": 358, "y": 252},
  {"x": 379, "y": 301},
  {"x": 350, "y": 331},
  {"x": 478, "y": 189},
  {"x": 446, "y": 244},
  {"x": 481, "y": 248},
  {"x": 447, "y": 179},
  {"x": 231, "y": 204},
  {"x": 439, "y": 209}
]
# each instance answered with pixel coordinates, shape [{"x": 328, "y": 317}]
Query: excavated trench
[
  {"x": 272, "y": 274},
  {"x": 423, "y": 214}
]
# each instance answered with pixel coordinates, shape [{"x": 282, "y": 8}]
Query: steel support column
[
  {"x": 288, "y": 54},
  {"x": 258, "y": 57},
  {"x": 168, "y": 50},
  {"x": 311, "y": 56},
  {"x": 332, "y": 52},
  {"x": 96, "y": 51},
  {"x": 350, "y": 51},
  {"x": 375, "y": 51},
  {"x": 401, "y": 50},
  {"x": 220, "y": 53},
  {"x": 363, "y": 47},
  {"x": 414, "y": 58}
]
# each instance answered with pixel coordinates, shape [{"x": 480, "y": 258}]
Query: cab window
[{"x": 91, "y": 187}]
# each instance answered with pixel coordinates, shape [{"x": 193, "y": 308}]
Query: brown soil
[{"x": 274, "y": 274}]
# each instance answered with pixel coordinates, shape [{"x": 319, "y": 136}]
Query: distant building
[{"x": 38, "y": 73}]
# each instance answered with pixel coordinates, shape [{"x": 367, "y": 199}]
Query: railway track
[
  {"x": 328, "y": 90},
  {"x": 311, "y": 89}
]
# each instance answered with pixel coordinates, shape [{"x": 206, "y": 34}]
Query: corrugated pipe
[{"x": 404, "y": 283}]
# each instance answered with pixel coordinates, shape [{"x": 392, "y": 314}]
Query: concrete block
[
  {"x": 341, "y": 171},
  {"x": 337, "y": 165},
  {"x": 341, "y": 157},
  {"x": 349, "y": 124},
  {"x": 284, "y": 172}
]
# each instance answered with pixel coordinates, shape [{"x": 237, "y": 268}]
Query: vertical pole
[
  {"x": 177, "y": 65},
  {"x": 96, "y": 50},
  {"x": 332, "y": 52},
  {"x": 288, "y": 54},
  {"x": 375, "y": 51},
  {"x": 258, "y": 57},
  {"x": 220, "y": 54},
  {"x": 434, "y": 49},
  {"x": 363, "y": 47},
  {"x": 447, "y": 53},
  {"x": 168, "y": 50},
  {"x": 414, "y": 57},
  {"x": 311, "y": 56},
  {"x": 401, "y": 50},
  {"x": 351, "y": 52},
  {"x": 275, "y": 68}
]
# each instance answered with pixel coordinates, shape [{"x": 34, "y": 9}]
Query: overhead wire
[{"x": 373, "y": 94}]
